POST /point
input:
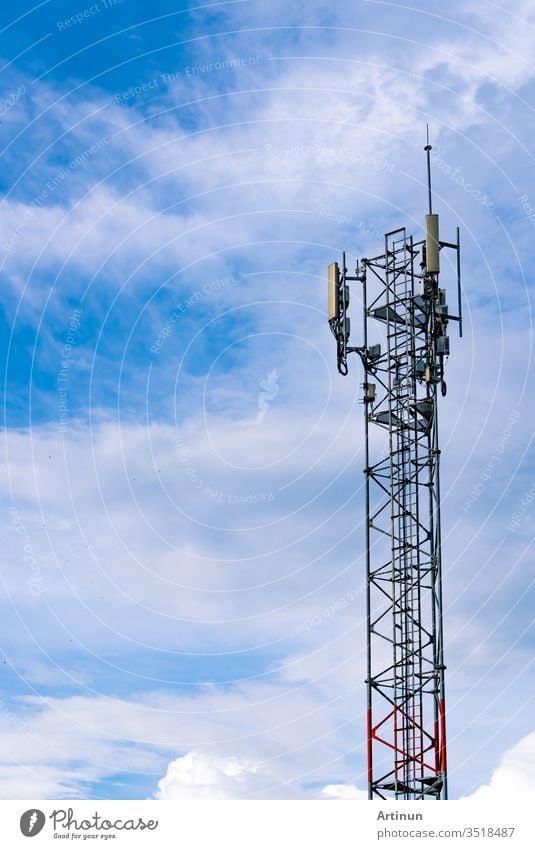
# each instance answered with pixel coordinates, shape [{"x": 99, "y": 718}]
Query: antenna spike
[{"x": 428, "y": 148}]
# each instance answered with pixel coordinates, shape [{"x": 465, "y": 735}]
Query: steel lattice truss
[
  {"x": 404, "y": 310},
  {"x": 406, "y": 718}
]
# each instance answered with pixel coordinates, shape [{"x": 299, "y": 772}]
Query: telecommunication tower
[{"x": 405, "y": 315}]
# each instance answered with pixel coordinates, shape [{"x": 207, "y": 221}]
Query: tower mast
[{"x": 406, "y": 315}]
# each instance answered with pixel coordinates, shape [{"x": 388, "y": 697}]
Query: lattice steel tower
[{"x": 406, "y": 316}]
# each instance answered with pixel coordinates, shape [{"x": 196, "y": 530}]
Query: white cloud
[
  {"x": 259, "y": 739},
  {"x": 200, "y": 776},
  {"x": 514, "y": 777},
  {"x": 204, "y": 776},
  {"x": 40, "y": 782},
  {"x": 345, "y": 792}
]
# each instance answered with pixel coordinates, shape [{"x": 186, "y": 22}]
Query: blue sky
[{"x": 182, "y": 494}]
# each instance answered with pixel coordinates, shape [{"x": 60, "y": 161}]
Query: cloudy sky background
[{"x": 182, "y": 498}]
